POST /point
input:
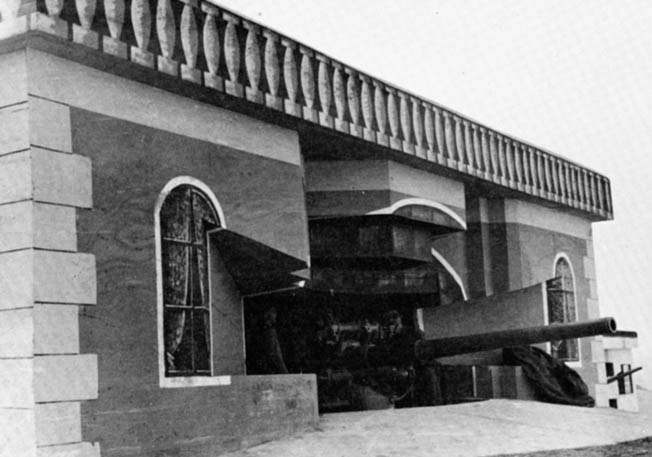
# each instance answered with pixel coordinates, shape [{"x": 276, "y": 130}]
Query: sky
[{"x": 573, "y": 77}]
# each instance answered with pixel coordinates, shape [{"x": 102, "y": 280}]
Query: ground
[{"x": 642, "y": 447}]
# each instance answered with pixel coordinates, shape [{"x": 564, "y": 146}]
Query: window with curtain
[
  {"x": 185, "y": 217},
  {"x": 561, "y": 309}
]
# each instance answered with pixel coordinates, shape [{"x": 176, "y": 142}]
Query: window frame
[
  {"x": 563, "y": 256},
  {"x": 192, "y": 380}
]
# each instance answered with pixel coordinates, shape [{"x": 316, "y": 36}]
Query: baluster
[
  {"x": 468, "y": 142},
  {"x": 272, "y": 71},
  {"x": 546, "y": 174},
  {"x": 212, "y": 48},
  {"x": 601, "y": 200},
  {"x": 393, "y": 117},
  {"x": 563, "y": 182},
  {"x": 502, "y": 159},
  {"x": 367, "y": 102},
  {"x": 252, "y": 62},
  {"x": 518, "y": 165},
  {"x": 509, "y": 153},
  {"x": 571, "y": 191},
  {"x": 189, "y": 43},
  {"x": 580, "y": 187},
  {"x": 83, "y": 34},
  {"x": 607, "y": 196},
  {"x": 405, "y": 119},
  {"x": 308, "y": 86},
  {"x": 166, "y": 32},
  {"x": 429, "y": 126},
  {"x": 555, "y": 177},
  {"x": 523, "y": 158},
  {"x": 381, "y": 114},
  {"x": 573, "y": 182},
  {"x": 460, "y": 147},
  {"x": 493, "y": 155},
  {"x": 353, "y": 99},
  {"x": 533, "y": 170},
  {"x": 339, "y": 95},
  {"x": 417, "y": 128},
  {"x": 439, "y": 135},
  {"x": 449, "y": 134},
  {"x": 141, "y": 22},
  {"x": 406, "y": 124},
  {"x": 114, "y": 10},
  {"x": 291, "y": 80},
  {"x": 569, "y": 183},
  {"x": 232, "y": 86},
  {"x": 54, "y": 8},
  {"x": 486, "y": 160},
  {"x": 325, "y": 92},
  {"x": 477, "y": 150},
  {"x": 540, "y": 174},
  {"x": 587, "y": 189},
  {"x": 594, "y": 196},
  {"x": 14, "y": 9}
]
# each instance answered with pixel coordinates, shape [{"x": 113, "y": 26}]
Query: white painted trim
[
  {"x": 185, "y": 381},
  {"x": 450, "y": 269},
  {"x": 422, "y": 202},
  {"x": 563, "y": 255}
]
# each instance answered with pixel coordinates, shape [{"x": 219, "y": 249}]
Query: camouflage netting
[{"x": 552, "y": 380}]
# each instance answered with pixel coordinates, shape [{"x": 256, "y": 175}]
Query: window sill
[{"x": 194, "y": 381}]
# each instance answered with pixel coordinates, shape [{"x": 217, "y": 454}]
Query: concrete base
[{"x": 472, "y": 429}]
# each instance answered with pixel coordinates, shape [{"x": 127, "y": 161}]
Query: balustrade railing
[{"x": 199, "y": 42}]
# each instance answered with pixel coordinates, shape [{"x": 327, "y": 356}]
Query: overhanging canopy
[{"x": 255, "y": 266}]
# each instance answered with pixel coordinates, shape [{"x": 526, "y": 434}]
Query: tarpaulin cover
[{"x": 552, "y": 380}]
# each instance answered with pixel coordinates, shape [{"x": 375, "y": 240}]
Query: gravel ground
[{"x": 642, "y": 447}]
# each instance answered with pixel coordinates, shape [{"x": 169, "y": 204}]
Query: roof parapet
[{"x": 199, "y": 42}]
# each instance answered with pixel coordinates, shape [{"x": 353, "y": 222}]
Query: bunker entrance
[{"x": 361, "y": 347}]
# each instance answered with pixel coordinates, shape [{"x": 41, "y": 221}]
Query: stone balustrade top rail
[{"x": 207, "y": 45}]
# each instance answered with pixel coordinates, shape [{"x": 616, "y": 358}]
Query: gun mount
[{"x": 370, "y": 354}]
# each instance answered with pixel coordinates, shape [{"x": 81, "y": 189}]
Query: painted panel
[
  {"x": 512, "y": 310},
  {"x": 262, "y": 199},
  {"x": 85, "y": 88}
]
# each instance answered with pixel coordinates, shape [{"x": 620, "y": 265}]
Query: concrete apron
[{"x": 473, "y": 429}]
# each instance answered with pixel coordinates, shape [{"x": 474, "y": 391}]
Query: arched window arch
[
  {"x": 186, "y": 211},
  {"x": 562, "y": 307}
]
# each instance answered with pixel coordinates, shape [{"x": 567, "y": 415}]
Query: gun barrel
[{"x": 442, "y": 347}]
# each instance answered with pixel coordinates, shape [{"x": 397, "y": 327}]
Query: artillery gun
[{"x": 400, "y": 367}]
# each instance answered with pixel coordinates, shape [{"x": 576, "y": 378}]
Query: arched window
[
  {"x": 185, "y": 216},
  {"x": 562, "y": 309}
]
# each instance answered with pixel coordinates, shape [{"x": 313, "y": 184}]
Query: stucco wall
[
  {"x": 512, "y": 245},
  {"x": 261, "y": 198}
]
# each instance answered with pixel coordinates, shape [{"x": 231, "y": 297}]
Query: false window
[
  {"x": 185, "y": 217},
  {"x": 562, "y": 309}
]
